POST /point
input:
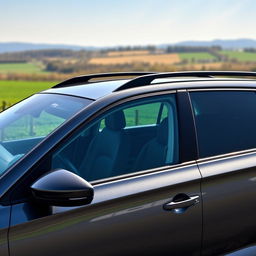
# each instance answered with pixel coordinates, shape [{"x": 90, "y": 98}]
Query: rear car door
[
  {"x": 226, "y": 125},
  {"x": 151, "y": 205}
]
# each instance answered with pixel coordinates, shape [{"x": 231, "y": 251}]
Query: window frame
[
  {"x": 224, "y": 155},
  {"x": 125, "y": 105}
]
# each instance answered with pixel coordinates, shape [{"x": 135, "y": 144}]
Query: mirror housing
[{"x": 62, "y": 188}]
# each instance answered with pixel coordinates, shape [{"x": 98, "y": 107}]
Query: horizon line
[{"x": 125, "y": 45}]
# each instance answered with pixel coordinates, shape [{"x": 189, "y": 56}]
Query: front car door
[
  {"x": 4, "y": 226},
  {"x": 226, "y": 125},
  {"x": 149, "y": 205}
]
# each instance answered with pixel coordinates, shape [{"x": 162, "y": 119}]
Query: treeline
[
  {"x": 250, "y": 49},
  {"x": 44, "y": 54},
  {"x": 12, "y": 61},
  {"x": 84, "y": 67},
  {"x": 150, "y": 48},
  {"x": 61, "y": 66},
  {"x": 26, "y": 56}
]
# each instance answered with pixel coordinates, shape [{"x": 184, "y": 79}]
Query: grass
[
  {"x": 196, "y": 56},
  {"x": 240, "y": 56},
  {"x": 23, "y": 68},
  {"x": 14, "y": 91}
]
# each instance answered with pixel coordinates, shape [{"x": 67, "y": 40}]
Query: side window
[
  {"x": 135, "y": 136},
  {"x": 225, "y": 121},
  {"x": 142, "y": 115}
]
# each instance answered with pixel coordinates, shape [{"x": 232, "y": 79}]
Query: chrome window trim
[
  {"x": 227, "y": 155},
  {"x": 142, "y": 173}
]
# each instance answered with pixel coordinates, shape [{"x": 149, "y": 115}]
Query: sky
[{"x": 125, "y": 22}]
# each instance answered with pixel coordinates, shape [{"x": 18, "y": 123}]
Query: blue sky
[{"x": 125, "y": 22}]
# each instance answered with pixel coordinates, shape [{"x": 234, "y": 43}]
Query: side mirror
[{"x": 62, "y": 188}]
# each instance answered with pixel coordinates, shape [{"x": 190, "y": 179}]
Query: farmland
[
  {"x": 14, "y": 91},
  {"x": 150, "y": 59},
  {"x": 24, "y": 68},
  {"x": 240, "y": 56},
  {"x": 127, "y": 53},
  {"x": 197, "y": 57},
  {"x": 23, "y": 73}
]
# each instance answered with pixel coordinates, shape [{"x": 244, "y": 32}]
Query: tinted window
[
  {"x": 225, "y": 121},
  {"x": 136, "y": 136}
]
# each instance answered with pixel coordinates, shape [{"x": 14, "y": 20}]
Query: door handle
[{"x": 180, "y": 205}]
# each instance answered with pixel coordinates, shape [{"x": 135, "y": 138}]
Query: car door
[
  {"x": 4, "y": 226},
  {"x": 226, "y": 125},
  {"x": 153, "y": 209}
]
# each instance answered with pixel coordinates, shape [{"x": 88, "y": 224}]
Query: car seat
[
  {"x": 153, "y": 153},
  {"x": 107, "y": 154}
]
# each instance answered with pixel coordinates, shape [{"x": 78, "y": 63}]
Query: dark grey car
[{"x": 131, "y": 164}]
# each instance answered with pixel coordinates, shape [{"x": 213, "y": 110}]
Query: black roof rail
[
  {"x": 87, "y": 78},
  {"x": 147, "y": 79}
]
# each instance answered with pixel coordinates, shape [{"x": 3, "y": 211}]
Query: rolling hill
[{"x": 225, "y": 44}]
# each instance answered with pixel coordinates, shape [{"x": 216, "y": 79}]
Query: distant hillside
[
  {"x": 20, "y": 47},
  {"x": 225, "y": 44}
]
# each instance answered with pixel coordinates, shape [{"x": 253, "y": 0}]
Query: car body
[{"x": 156, "y": 164}]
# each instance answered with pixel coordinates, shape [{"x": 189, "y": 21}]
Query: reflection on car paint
[{"x": 130, "y": 210}]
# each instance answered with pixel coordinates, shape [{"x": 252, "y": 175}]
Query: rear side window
[{"x": 225, "y": 121}]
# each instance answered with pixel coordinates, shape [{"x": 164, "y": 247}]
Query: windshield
[{"x": 25, "y": 124}]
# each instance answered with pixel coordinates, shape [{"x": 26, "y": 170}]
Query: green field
[
  {"x": 240, "y": 56},
  {"x": 14, "y": 91},
  {"x": 197, "y": 56},
  {"x": 21, "y": 68}
]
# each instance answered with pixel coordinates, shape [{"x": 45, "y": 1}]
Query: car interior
[{"x": 111, "y": 147}]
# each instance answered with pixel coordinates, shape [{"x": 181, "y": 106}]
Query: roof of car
[
  {"x": 90, "y": 90},
  {"x": 148, "y": 81}
]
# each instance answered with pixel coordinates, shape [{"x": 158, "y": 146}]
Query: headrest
[
  {"x": 115, "y": 121},
  {"x": 162, "y": 132}
]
